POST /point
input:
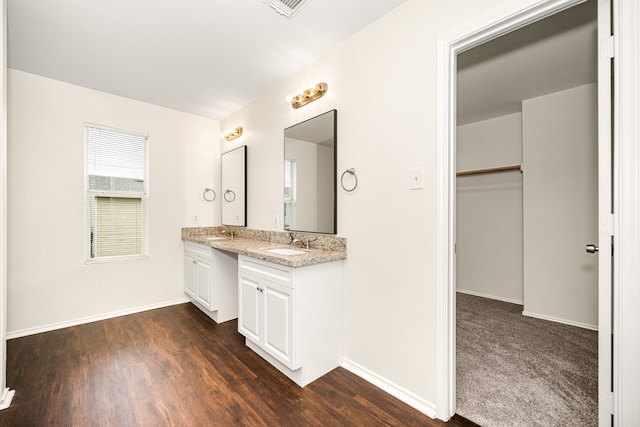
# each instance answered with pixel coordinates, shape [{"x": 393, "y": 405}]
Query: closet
[{"x": 527, "y": 206}]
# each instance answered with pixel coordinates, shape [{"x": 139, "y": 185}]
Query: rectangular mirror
[
  {"x": 310, "y": 175},
  {"x": 234, "y": 187}
]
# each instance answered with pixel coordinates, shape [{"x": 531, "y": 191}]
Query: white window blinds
[{"x": 116, "y": 193}]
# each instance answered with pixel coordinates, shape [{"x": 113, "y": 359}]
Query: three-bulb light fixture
[{"x": 308, "y": 95}]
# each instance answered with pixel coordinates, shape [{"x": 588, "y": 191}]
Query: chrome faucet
[
  {"x": 303, "y": 243},
  {"x": 230, "y": 233}
]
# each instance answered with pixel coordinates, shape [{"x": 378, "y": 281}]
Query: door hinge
[{"x": 607, "y": 47}]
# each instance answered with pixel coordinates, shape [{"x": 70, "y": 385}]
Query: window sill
[{"x": 103, "y": 260}]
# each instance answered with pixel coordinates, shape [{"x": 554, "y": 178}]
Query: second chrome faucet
[{"x": 301, "y": 242}]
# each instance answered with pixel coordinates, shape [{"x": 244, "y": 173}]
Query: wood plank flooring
[{"x": 176, "y": 367}]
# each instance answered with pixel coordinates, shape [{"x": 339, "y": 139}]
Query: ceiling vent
[{"x": 287, "y": 8}]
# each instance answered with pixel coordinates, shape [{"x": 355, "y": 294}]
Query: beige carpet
[{"x": 514, "y": 370}]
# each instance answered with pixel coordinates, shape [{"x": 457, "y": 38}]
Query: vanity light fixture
[
  {"x": 232, "y": 134},
  {"x": 309, "y": 95}
]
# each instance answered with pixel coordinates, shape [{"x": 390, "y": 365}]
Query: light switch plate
[{"x": 417, "y": 178}]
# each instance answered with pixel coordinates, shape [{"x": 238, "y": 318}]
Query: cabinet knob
[{"x": 195, "y": 262}]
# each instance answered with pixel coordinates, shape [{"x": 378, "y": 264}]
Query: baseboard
[
  {"x": 393, "y": 389},
  {"x": 89, "y": 319},
  {"x": 478, "y": 294},
  {"x": 558, "y": 320},
  {"x": 6, "y": 398}
]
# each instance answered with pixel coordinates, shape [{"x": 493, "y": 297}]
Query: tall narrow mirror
[
  {"x": 310, "y": 175},
  {"x": 234, "y": 187}
]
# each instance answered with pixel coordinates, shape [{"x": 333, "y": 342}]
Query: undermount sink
[
  {"x": 285, "y": 251},
  {"x": 216, "y": 238}
]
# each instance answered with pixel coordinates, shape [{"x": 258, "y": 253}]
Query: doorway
[
  {"x": 526, "y": 203},
  {"x": 511, "y": 19}
]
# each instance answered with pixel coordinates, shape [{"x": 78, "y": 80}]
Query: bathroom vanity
[
  {"x": 209, "y": 281},
  {"x": 292, "y": 317},
  {"x": 288, "y": 301}
]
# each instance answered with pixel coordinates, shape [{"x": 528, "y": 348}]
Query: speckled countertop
[{"x": 253, "y": 243}]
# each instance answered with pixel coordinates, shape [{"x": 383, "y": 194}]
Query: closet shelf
[{"x": 490, "y": 170}]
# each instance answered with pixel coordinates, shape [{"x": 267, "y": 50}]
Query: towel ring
[
  {"x": 230, "y": 198},
  {"x": 352, "y": 172},
  {"x": 207, "y": 194}
]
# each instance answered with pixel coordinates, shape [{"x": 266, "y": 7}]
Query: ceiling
[
  {"x": 557, "y": 53},
  {"x": 212, "y": 57},
  {"x": 206, "y": 57}
]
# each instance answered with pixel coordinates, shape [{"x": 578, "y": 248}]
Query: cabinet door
[
  {"x": 203, "y": 282},
  {"x": 249, "y": 297},
  {"x": 189, "y": 274},
  {"x": 278, "y": 325}
]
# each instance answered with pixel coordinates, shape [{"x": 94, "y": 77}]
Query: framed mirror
[
  {"x": 310, "y": 175},
  {"x": 234, "y": 187}
]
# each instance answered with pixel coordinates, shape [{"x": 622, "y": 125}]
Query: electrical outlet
[
  {"x": 195, "y": 218},
  {"x": 275, "y": 221}
]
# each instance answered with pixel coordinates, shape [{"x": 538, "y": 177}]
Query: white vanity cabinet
[
  {"x": 292, "y": 317},
  {"x": 198, "y": 264},
  {"x": 210, "y": 281},
  {"x": 266, "y": 311}
]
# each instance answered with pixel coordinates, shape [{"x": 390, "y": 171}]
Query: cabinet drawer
[
  {"x": 275, "y": 273},
  {"x": 200, "y": 250}
]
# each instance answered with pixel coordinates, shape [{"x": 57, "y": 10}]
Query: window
[{"x": 116, "y": 193}]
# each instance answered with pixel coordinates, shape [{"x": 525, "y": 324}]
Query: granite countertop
[{"x": 255, "y": 245}]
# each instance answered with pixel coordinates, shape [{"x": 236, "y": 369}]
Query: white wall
[
  {"x": 561, "y": 205},
  {"x": 490, "y": 143},
  {"x": 48, "y": 283},
  {"x": 489, "y": 210},
  {"x": 382, "y": 83}
]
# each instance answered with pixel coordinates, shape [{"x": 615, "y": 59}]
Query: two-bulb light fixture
[
  {"x": 232, "y": 134},
  {"x": 308, "y": 95}
]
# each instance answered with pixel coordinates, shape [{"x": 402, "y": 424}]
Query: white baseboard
[
  {"x": 558, "y": 320},
  {"x": 478, "y": 294},
  {"x": 6, "y": 398},
  {"x": 393, "y": 389},
  {"x": 89, "y": 319}
]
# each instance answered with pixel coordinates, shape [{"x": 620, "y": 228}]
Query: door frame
[
  {"x": 512, "y": 17},
  {"x": 626, "y": 296}
]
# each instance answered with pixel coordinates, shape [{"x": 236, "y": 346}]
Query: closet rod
[{"x": 491, "y": 170}]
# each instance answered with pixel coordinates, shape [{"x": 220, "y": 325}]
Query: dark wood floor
[{"x": 176, "y": 367}]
